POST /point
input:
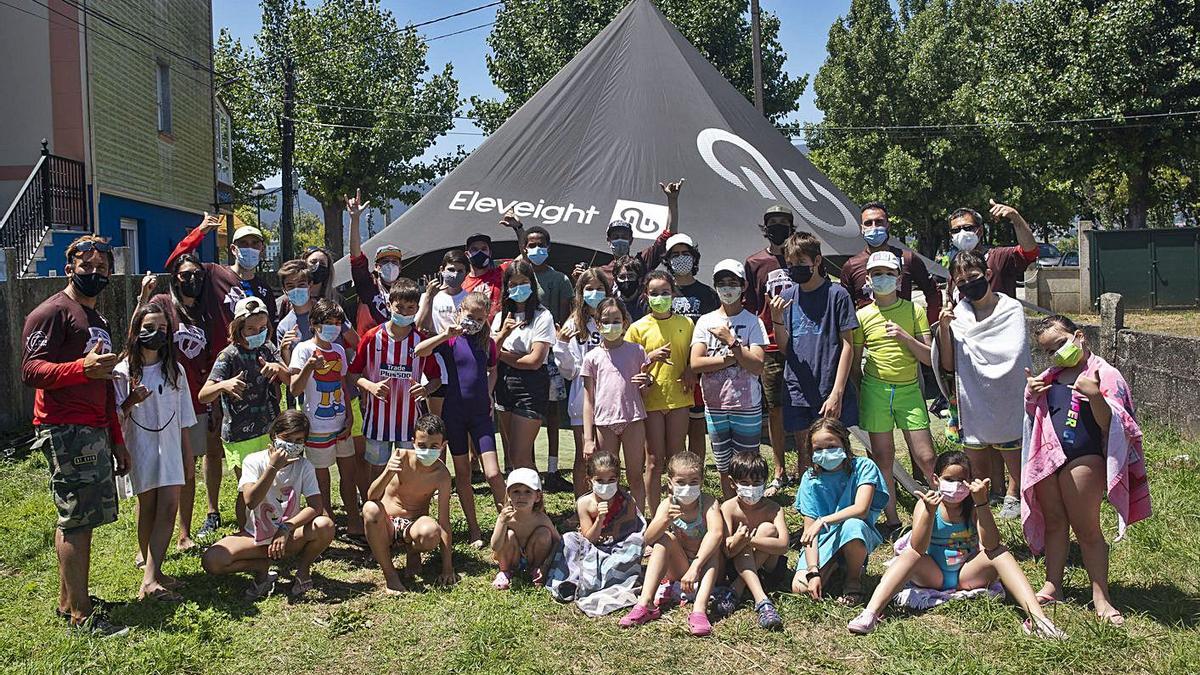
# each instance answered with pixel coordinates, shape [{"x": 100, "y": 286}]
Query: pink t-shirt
[{"x": 617, "y": 401}]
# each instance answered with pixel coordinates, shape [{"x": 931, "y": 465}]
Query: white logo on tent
[
  {"x": 707, "y": 139},
  {"x": 647, "y": 220}
]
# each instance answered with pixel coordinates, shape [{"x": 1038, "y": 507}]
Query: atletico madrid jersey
[{"x": 382, "y": 358}]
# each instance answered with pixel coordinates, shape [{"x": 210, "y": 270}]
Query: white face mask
[
  {"x": 685, "y": 494},
  {"x": 604, "y": 491},
  {"x": 729, "y": 294},
  {"x": 965, "y": 240},
  {"x": 427, "y": 456},
  {"x": 751, "y": 494},
  {"x": 389, "y": 272}
]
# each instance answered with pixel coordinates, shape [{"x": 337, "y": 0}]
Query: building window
[
  {"x": 164, "y": 97},
  {"x": 129, "y": 234}
]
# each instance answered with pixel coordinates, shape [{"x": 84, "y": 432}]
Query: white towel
[{"x": 990, "y": 358}]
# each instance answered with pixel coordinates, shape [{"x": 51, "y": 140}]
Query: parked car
[
  {"x": 1048, "y": 255},
  {"x": 1069, "y": 259}
]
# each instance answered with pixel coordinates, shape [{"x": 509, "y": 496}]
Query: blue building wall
[{"x": 159, "y": 229}]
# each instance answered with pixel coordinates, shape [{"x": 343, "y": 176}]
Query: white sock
[{"x": 552, "y": 465}]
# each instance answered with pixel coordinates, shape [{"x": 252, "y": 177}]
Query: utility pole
[
  {"x": 756, "y": 54},
  {"x": 288, "y": 134}
]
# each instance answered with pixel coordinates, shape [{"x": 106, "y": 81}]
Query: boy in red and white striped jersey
[{"x": 391, "y": 375}]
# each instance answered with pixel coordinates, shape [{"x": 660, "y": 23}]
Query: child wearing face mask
[
  {"x": 524, "y": 537},
  {"x": 444, "y": 294},
  {"x": 687, "y": 532},
  {"x": 758, "y": 534},
  {"x": 397, "y": 513},
  {"x": 840, "y": 497},
  {"x": 467, "y": 356},
  {"x": 955, "y": 545},
  {"x": 1082, "y": 444},
  {"x": 613, "y": 412},
  {"x": 727, "y": 353},
  {"x": 895, "y": 334},
  {"x": 603, "y": 558},
  {"x": 155, "y": 408},
  {"x": 245, "y": 377},
  {"x": 318, "y": 369},
  {"x": 578, "y": 336}
]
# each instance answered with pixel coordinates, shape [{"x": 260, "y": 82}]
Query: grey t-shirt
[
  {"x": 815, "y": 320},
  {"x": 250, "y": 416}
]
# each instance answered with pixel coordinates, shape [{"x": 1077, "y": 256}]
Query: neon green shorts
[
  {"x": 357, "y": 419},
  {"x": 237, "y": 452},
  {"x": 883, "y": 406}
]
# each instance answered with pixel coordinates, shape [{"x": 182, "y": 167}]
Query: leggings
[{"x": 479, "y": 426}]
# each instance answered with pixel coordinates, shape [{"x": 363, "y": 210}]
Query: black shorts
[{"x": 523, "y": 392}]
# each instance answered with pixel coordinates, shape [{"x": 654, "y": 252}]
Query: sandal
[
  {"x": 851, "y": 597},
  {"x": 258, "y": 591},
  {"x": 162, "y": 595},
  {"x": 300, "y": 587},
  {"x": 774, "y": 487},
  {"x": 1116, "y": 619},
  {"x": 356, "y": 540},
  {"x": 1046, "y": 599}
]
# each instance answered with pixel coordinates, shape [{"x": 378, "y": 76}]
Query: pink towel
[{"x": 1128, "y": 489}]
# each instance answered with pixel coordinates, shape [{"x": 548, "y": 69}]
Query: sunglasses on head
[{"x": 89, "y": 246}]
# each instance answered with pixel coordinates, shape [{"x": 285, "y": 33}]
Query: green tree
[
  {"x": 310, "y": 231},
  {"x": 1107, "y": 59},
  {"x": 533, "y": 39},
  {"x": 366, "y": 106}
]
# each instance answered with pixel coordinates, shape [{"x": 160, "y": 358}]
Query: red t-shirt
[
  {"x": 381, "y": 357},
  {"x": 1008, "y": 263},
  {"x": 193, "y": 347},
  {"x": 766, "y": 277},
  {"x": 490, "y": 282},
  {"x": 372, "y": 302},
  {"x": 57, "y": 336}
]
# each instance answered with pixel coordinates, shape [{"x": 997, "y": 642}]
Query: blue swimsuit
[{"x": 951, "y": 545}]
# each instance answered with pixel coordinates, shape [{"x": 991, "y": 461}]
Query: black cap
[
  {"x": 779, "y": 210},
  {"x": 479, "y": 236}
]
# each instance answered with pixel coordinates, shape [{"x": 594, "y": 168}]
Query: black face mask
[
  {"x": 89, "y": 285},
  {"x": 480, "y": 258},
  {"x": 628, "y": 287},
  {"x": 777, "y": 234},
  {"x": 152, "y": 339},
  {"x": 192, "y": 288},
  {"x": 974, "y": 290},
  {"x": 319, "y": 273},
  {"x": 800, "y": 273}
]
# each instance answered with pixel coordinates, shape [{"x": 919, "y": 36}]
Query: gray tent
[{"x": 636, "y": 106}]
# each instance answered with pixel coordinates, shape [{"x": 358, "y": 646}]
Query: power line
[
  {"x": 366, "y": 128},
  {"x": 973, "y": 125},
  {"x": 460, "y": 32}
]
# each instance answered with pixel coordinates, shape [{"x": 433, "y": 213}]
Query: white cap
[
  {"x": 734, "y": 267},
  {"x": 527, "y": 477},
  {"x": 248, "y": 231},
  {"x": 681, "y": 238},
  {"x": 883, "y": 259},
  {"x": 249, "y": 306}
]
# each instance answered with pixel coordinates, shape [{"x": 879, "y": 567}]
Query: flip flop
[
  {"x": 300, "y": 587},
  {"x": 163, "y": 595},
  {"x": 1116, "y": 619},
  {"x": 357, "y": 540},
  {"x": 1046, "y": 599}
]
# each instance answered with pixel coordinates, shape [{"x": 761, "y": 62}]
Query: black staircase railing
[{"x": 53, "y": 197}]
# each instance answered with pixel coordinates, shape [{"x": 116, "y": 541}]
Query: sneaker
[
  {"x": 768, "y": 616},
  {"x": 554, "y": 482},
  {"x": 889, "y": 531},
  {"x": 996, "y": 499},
  {"x": 1011, "y": 509},
  {"x": 97, "y": 625},
  {"x": 724, "y": 602},
  {"x": 502, "y": 581},
  {"x": 212, "y": 522},
  {"x": 699, "y": 624},
  {"x": 864, "y": 623},
  {"x": 639, "y": 615}
]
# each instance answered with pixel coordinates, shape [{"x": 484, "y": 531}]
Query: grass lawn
[
  {"x": 1170, "y": 322},
  {"x": 348, "y": 626}
]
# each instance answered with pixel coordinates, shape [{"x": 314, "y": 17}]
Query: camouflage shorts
[{"x": 81, "y": 474}]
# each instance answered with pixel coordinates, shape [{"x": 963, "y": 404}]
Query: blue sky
[{"x": 805, "y": 25}]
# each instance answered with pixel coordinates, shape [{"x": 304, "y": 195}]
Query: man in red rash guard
[
  {"x": 225, "y": 285},
  {"x": 371, "y": 285},
  {"x": 69, "y": 360}
]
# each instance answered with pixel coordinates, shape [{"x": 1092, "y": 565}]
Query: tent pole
[{"x": 756, "y": 54}]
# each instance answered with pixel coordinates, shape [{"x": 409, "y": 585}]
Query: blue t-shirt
[
  {"x": 815, "y": 320},
  {"x": 823, "y": 493}
]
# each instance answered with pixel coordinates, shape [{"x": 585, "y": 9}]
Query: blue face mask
[
  {"x": 329, "y": 332},
  {"x": 537, "y": 254},
  {"x": 829, "y": 458},
  {"x": 257, "y": 340},
  {"x": 594, "y": 297},
  {"x": 403, "y": 319},
  {"x": 876, "y": 236},
  {"x": 248, "y": 257},
  {"x": 883, "y": 284},
  {"x": 298, "y": 296},
  {"x": 520, "y": 293}
]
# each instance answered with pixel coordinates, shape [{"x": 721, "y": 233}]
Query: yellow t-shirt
[
  {"x": 666, "y": 393},
  {"x": 887, "y": 359}
]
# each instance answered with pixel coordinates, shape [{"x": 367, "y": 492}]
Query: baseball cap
[
  {"x": 247, "y": 231},
  {"x": 247, "y": 307},
  {"x": 883, "y": 259},
  {"x": 612, "y": 225},
  {"x": 388, "y": 250},
  {"x": 681, "y": 238},
  {"x": 479, "y": 236},
  {"x": 527, "y": 477},
  {"x": 779, "y": 210},
  {"x": 734, "y": 267}
]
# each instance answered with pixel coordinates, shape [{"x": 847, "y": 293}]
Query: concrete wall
[{"x": 1057, "y": 288}]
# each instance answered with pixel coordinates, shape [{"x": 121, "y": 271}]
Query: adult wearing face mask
[
  {"x": 484, "y": 276},
  {"x": 620, "y": 237},
  {"x": 371, "y": 285},
  {"x": 767, "y": 277},
  {"x": 876, "y": 230},
  {"x": 69, "y": 361},
  {"x": 225, "y": 285},
  {"x": 1007, "y": 263}
]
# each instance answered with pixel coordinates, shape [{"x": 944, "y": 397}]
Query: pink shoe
[
  {"x": 666, "y": 597},
  {"x": 502, "y": 581},
  {"x": 864, "y": 623},
  {"x": 699, "y": 625},
  {"x": 639, "y": 615}
]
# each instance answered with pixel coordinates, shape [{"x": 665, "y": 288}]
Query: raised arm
[
  {"x": 191, "y": 242},
  {"x": 1025, "y": 238},
  {"x": 671, "y": 190},
  {"x": 945, "y": 337},
  {"x": 355, "y": 207}
]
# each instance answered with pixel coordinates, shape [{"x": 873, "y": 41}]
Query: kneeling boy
[
  {"x": 397, "y": 513},
  {"x": 759, "y": 533}
]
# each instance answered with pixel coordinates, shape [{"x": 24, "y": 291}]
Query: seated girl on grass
[{"x": 524, "y": 537}]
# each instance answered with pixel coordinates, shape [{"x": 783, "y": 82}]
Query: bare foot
[
  {"x": 1109, "y": 614},
  {"x": 394, "y": 586},
  {"x": 185, "y": 544},
  {"x": 156, "y": 591},
  {"x": 1049, "y": 595},
  {"x": 413, "y": 566}
]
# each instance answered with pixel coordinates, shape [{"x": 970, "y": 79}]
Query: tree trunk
[
  {"x": 928, "y": 238},
  {"x": 1139, "y": 196},
  {"x": 332, "y": 215}
]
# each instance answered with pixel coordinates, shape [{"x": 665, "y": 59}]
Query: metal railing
[{"x": 53, "y": 197}]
